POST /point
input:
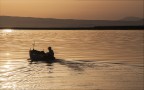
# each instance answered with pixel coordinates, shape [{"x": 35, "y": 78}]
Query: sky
[{"x": 73, "y": 9}]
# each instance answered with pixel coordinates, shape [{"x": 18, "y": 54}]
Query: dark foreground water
[{"x": 95, "y": 60}]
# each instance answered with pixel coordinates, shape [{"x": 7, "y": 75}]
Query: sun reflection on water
[
  {"x": 6, "y": 67},
  {"x": 7, "y": 54},
  {"x": 7, "y": 30},
  {"x": 9, "y": 85}
]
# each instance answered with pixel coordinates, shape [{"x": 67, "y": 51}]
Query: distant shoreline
[{"x": 79, "y": 28}]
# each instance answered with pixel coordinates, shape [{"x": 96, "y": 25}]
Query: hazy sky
[{"x": 74, "y": 9}]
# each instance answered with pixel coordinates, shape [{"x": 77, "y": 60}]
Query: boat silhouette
[{"x": 36, "y": 55}]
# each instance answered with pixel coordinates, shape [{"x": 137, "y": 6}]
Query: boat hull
[{"x": 40, "y": 56}]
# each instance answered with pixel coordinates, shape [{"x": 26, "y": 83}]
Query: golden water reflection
[
  {"x": 7, "y": 30},
  {"x": 7, "y": 66},
  {"x": 90, "y": 60}
]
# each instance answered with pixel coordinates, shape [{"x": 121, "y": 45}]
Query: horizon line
[{"x": 71, "y": 18}]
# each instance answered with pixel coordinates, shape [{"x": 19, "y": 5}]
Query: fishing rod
[{"x": 33, "y": 45}]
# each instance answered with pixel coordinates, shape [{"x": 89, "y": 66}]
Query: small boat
[{"x": 36, "y": 55}]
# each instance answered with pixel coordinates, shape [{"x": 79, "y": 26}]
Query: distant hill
[
  {"x": 29, "y": 22},
  {"x": 131, "y": 19}
]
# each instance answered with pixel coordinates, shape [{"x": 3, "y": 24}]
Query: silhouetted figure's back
[{"x": 50, "y": 53}]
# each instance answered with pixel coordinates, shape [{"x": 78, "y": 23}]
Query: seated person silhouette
[{"x": 50, "y": 53}]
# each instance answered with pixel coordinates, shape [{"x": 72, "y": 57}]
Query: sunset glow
[{"x": 72, "y": 9}]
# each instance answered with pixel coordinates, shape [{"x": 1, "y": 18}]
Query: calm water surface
[{"x": 98, "y": 60}]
